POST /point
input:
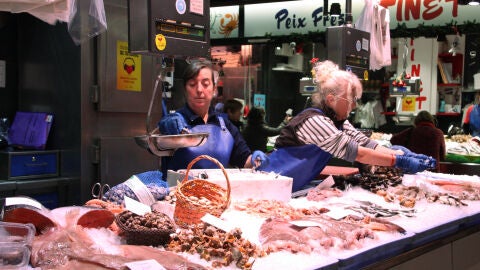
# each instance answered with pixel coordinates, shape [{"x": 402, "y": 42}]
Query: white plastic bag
[
  {"x": 375, "y": 19},
  {"x": 49, "y": 11},
  {"x": 82, "y": 25}
]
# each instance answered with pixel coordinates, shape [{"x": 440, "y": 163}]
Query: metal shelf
[
  {"x": 448, "y": 114},
  {"x": 448, "y": 84},
  {"x": 470, "y": 90}
]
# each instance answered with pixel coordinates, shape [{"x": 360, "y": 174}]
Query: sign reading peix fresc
[
  {"x": 284, "y": 18},
  {"x": 290, "y": 21}
]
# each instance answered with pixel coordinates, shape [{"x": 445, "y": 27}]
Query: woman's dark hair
[
  {"x": 424, "y": 116},
  {"x": 256, "y": 116},
  {"x": 232, "y": 105},
  {"x": 192, "y": 70}
]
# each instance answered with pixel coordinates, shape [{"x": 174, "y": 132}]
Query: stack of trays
[{"x": 15, "y": 244}]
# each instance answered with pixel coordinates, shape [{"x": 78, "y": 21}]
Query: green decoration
[{"x": 401, "y": 31}]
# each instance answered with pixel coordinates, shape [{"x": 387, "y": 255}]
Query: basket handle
[{"x": 190, "y": 165}]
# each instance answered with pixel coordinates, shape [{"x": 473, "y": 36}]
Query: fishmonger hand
[
  {"x": 259, "y": 159},
  {"x": 173, "y": 124},
  {"x": 407, "y": 152},
  {"x": 413, "y": 164}
]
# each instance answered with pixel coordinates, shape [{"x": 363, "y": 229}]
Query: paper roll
[
  {"x": 448, "y": 107},
  {"x": 476, "y": 81}
]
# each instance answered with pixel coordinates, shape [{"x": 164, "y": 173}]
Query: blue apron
[
  {"x": 475, "y": 120},
  {"x": 303, "y": 163},
  {"x": 219, "y": 145}
]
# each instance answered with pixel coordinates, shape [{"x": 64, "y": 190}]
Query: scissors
[{"x": 98, "y": 190}]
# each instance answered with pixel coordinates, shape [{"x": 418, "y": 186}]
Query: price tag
[
  {"x": 145, "y": 265},
  {"x": 339, "y": 213},
  {"x": 216, "y": 222},
  {"x": 305, "y": 223},
  {"x": 136, "y": 206},
  {"x": 141, "y": 191},
  {"x": 22, "y": 200},
  {"x": 326, "y": 183}
]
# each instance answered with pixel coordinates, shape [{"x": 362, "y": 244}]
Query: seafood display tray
[
  {"x": 474, "y": 216},
  {"x": 436, "y": 232},
  {"x": 371, "y": 253},
  {"x": 299, "y": 261}
]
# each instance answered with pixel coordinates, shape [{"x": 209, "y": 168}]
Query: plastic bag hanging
[
  {"x": 404, "y": 58},
  {"x": 82, "y": 25},
  {"x": 375, "y": 20}
]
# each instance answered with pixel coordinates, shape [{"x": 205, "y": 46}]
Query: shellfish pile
[
  {"x": 380, "y": 179},
  {"x": 219, "y": 247},
  {"x": 151, "y": 221}
]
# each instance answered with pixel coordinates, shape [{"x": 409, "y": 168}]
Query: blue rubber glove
[
  {"x": 408, "y": 153},
  {"x": 172, "y": 124},
  {"x": 259, "y": 159},
  {"x": 431, "y": 162},
  {"x": 411, "y": 164},
  {"x": 405, "y": 150}
]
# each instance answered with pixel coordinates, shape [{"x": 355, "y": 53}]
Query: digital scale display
[
  {"x": 180, "y": 30},
  {"x": 169, "y": 28}
]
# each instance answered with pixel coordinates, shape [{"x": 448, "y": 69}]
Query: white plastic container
[
  {"x": 16, "y": 233},
  {"x": 247, "y": 184},
  {"x": 15, "y": 244},
  {"x": 14, "y": 256}
]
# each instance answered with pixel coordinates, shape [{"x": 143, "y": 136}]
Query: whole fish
[{"x": 62, "y": 248}]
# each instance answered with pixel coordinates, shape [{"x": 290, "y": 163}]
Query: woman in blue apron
[
  {"x": 475, "y": 120},
  {"x": 224, "y": 142},
  {"x": 312, "y": 137},
  {"x": 471, "y": 124}
]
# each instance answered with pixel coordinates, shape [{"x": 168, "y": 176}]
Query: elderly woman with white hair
[{"x": 313, "y": 136}]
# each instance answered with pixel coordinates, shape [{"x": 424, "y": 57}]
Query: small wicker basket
[
  {"x": 146, "y": 237},
  {"x": 189, "y": 207}
]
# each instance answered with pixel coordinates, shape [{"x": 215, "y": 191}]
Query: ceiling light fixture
[{"x": 473, "y": 3}]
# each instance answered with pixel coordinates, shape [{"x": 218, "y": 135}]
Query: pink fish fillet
[{"x": 58, "y": 248}]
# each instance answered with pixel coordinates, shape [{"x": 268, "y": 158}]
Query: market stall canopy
[
  {"x": 49, "y": 11},
  {"x": 69, "y": 11}
]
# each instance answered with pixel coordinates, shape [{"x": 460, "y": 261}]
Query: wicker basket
[
  {"x": 188, "y": 209},
  {"x": 146, "y": 237}
]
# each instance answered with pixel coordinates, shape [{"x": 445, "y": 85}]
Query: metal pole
[{"x": 348, "y": 13}]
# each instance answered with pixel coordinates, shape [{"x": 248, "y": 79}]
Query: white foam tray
[{"x": 246, "y": 183}]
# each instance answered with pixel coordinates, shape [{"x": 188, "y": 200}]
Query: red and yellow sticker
[
  {"x": 408, "y": 104},
  {"x": 129, "y": 69},
  {"x": 365, "y": 75},
  {"x": 160, "y": 42}
]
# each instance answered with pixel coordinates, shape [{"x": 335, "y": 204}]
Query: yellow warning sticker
[
  {"x": 129, "y": 69},
  {"x": 408, "y": 104}
]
